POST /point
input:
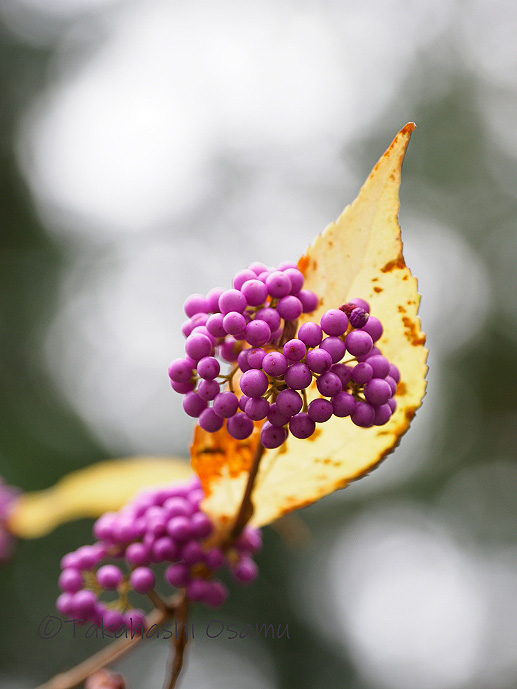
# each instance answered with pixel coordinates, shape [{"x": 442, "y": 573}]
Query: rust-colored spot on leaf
[
  {"x": 413, "y": 333},
  {"x": 303, "y": 264},
  {"x": 391, "y": 265},
  {"x": 378, "y": 290}
]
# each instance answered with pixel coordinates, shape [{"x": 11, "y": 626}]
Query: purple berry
[
  {"x": 242, "y": 277},
  {"x": 178, "y": 575},
  {"x": 242, "y": 360},
  {"x": 362, "y": 373},
  {"x": 197, "y": 589},
  {"x": 290, "y": 308},
  {"x": 298, "y": 376},
  {"x": 240, "y": 426},
  {"x": 257, "y": 267},
  {"x": 254, "y": 383},
  {"x": 274, "y": 364},
  {"x": 276, "y": 417},
  {"x": 334, "y": 322},
  {"x": 234, "y": 323},
  {"x": 392, "y": 404},
  {"x": 243, "y": 399},
  {"x": 362, "y": 303},
  {"x": 257, "y": 333},
  {"x": 255, "y": 292},
  {"x": 208, "y": 368},
  {"x": 320, "y": 410},
  {"x": 335, "y": 347},
  {"x": 183, "y": 388},
  {"x": 343, "y": 372},
  {"x": 250, "y": 540},
  {"x": 311, "y": 334},
  {"x": 380, "y": 366},
  {"x": 214, "y": 325},
  {"x": 70, "y": 580},
  {"x": 308, "y": 299},
  {"x": 84, "y": 602},
  {"x": 278, "y": 284},
  {"x": 210, "y": 421},
  {"x": 226, "y": 404},
  {"x": 193, "y": 404},
  {"x": 272, "y": 436},
  {"x": 164, "y": 549},
  {"x": 286, "y": 265},
  {"x": 302, "y": 426},
  {"x": 319, "y": 360},
  {"x": 394, "y": 373},
  {"x": 213, "y": 299},
  {"x": 373, "y": 327},
  {"x": 232, "y": 300},
  {"x": 245, "y": 571},
  {"x": 296, "y": 278},
  {"x": 358, "y": 342},
  {"x": 295, "y": 350},
  {"x": 192, "y": 553},
  {"x": 358, "y": 317},
  {"x": 142, "y": 579},
  {"x": 392, "y": 384},
  {"x": 230, "y": 349},
  {"x": 269, "y": 316},
  {"x": 329, "y": 384},
  {"x": 256, "y": 357},
  {"x": 179, "y": 529},
  {"x": 289, "y": 402},
  {"x": 363, "y": 415},
  {"x": 257, "y": 408},
  {"x": 377, "y": 391},
  {"x": 215, "y": 594},
  {"x": 196, "y": 303},
  {"x": 208, "y": 389},
  {"x": 109, "y": 577},
  {"x": 180, "y": 371},
  {"x": 201, "y": 525},
  {"x": 382, "y": 415},
  {"x": 198, "y": 346},
  {"x": 343, "y": 404}
]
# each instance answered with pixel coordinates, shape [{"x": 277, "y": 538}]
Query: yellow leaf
[
  {"x": 359, "y": 255},
  {"x": 92, "y": 491}
]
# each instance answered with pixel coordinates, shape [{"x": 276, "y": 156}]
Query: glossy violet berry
[
  {"x": 226, "y": 404},
  {"x": 362, "y": 303},
  {"x": 255, "y": 357},
  {"x": 394, "y": 373},
  {"x": 274, "y": 364},
  {"x": 208, "y": 368},
  {"x": 362, "y": 373},
  {"x": 257, "y": 333},
  {"x": 180, "y": 371},
  {"x": 193, "y": 404},
  {"x": 269, "y": 316},
  {"x": 298, "y": 376},
  {"x": 194, "y": 304},
  {"x": 278, "y": 284},
  {"x": 240, "y": 426},
  {"x": 319, "y": 360},
  {"x": 289, "y": 402},
  {"x": 335, "y": 347},
  {"x": 70, "y": 580},
  {"x": 232, "y": 300},
  {"x": 234, "y": 323},
  {"x": 308, "y": 299},
  {"x": 255, "y": 292},
  {"x": 343, "y": 372},
  {"x": 257, "y": 408},
  {"x": 295, "y": 350},
  {"x": 302, "y": 426},
  {"x": 214, "y": 325},
  {"x": 343, "y": 404},
  {"x": 254, "y": 383},
  {"x": 296, "y": 278},
  {"x": 208, "y": 389},
  {"x": 329, "y": 384},
  {"x": 290, "y": 308},
  {"x": 311, "y": 334},
  {"x": 272, "y": 436},
  {"x": 363, "y": 415},
  {"x": 243, "y": 276},
  {"x": 380, "y": 366},
  {"x": 142, "y": 579},
  {"x": 178, "y": 575},
  {"x": 109, "y": 577},
  {"x": 198, "y": 346},
  {"x": 377, "y": 391},
  {"x": 373, "y": 327},
  {"x": 213, "y": 299},
  {"x": 334, "y": 322},
  {"x": 276, "y": 417},
  {"x": 382, "y": 415},
  {"x": 245, "y": 571},
  {"x": 215, "y": 595},
  {"x": 320, "y": 410},
  {"x": 358, "y": 342}
]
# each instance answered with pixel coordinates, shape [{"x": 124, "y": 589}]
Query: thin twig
[
  {"x": 78, "y": 674},
  {"x": 179, "y": 642},
  {"x": 246, "y": 507}
]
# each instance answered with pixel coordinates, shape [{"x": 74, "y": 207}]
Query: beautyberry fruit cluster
[
  {"x": 255, "y": 326},
  {"x": 163, "y": 526}
]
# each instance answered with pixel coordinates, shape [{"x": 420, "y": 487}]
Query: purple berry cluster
[
  {"x": 8, "y": 495},
  {"x": 226, "y": 323},
  {"x": 255, "y": 327},
  {"x": 164, "y": 526}
]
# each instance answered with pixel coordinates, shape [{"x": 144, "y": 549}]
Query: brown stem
[
  {"x": 78, "y": 674},
  {"x": 246, "y": 507},
  {"x": 179, "y": 642}
]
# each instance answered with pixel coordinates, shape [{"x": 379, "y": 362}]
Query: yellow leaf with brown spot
[
  {"x": 359, "y": 255},
  {"x": 90, "y": 492}
]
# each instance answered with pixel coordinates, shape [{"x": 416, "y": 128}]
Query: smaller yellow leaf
[{"x": 92, "y": 491}]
